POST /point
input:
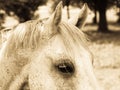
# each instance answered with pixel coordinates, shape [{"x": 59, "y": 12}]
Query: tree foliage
[{"x": 24, "y": 9}]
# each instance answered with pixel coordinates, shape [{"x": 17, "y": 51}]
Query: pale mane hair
[{"x": 28, "y": 36}]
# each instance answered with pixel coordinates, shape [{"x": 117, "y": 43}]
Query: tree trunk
[
  {"x": 118, "y": 21},
  {"x": 2, "y": 19},
  {"x": 101, "y": 7},
  {"x": 68, "y": 12},
  {"x": 95, "y": 17},
  {"x": 102, "y": 21}
]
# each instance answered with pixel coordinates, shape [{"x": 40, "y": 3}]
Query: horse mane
[
  {"x": 28, "y": 36},
  {"x": 24, "y": 36}
]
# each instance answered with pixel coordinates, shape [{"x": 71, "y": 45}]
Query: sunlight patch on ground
[
  {"x": 10, "y": 22},
  {"x": 43, "y": 12},
  {"x": 111, "y": 15}
]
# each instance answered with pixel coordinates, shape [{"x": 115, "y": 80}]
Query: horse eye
[{"x": 65, "y": 67}]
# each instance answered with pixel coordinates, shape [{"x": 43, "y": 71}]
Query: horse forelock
[
  {"x": 73, "y": 32},
  {"x": 71, "y": 35}
]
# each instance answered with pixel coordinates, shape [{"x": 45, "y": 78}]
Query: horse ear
[
  {"x": 55, "y": 19},
  {"x": 79, "y": 21},
  {"x": 82, "y": 16},
  {"x": 51, "y": 25}
]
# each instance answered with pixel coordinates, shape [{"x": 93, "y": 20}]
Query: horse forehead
[
  {"x": 56, "y": 44},
  {"x": 57, "y": 48}
]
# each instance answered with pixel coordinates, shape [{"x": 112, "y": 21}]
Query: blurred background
[{"x": 102, "y": 28}]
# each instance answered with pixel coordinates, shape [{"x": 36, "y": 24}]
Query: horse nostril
[{"x": 65, "y": 67}]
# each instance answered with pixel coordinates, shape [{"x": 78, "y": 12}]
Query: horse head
[{"x": 48, "y": 54}]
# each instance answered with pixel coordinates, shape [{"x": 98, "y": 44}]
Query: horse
[
  {"x": 5, "y": 34},
  {"x": 47, "y": 54}
]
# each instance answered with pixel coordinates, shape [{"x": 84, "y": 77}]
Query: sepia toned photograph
[{"x": 59, "y": 44}]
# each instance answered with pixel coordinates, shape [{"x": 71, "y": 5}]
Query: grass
[{"x": 106, "y": 50}]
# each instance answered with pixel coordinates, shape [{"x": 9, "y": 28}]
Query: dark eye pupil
[{"x": 65, "y": 68}]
